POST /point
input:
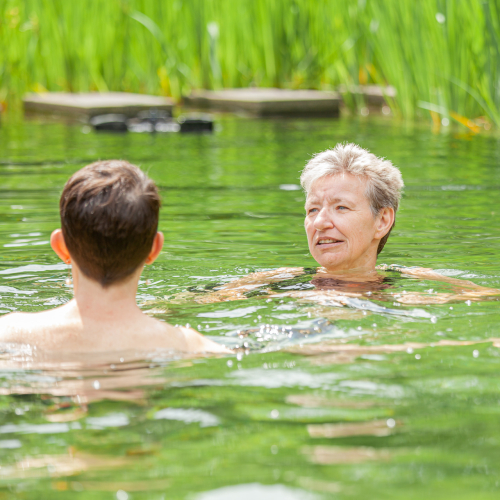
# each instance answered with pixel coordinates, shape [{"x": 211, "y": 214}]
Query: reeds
[{"x": 441, "y": 56}]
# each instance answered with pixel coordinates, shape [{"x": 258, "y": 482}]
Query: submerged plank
[
  {"x": 87, "y": 105},
  {"x": 268, "y": 101}
]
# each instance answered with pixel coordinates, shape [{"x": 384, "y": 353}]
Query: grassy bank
[{"x": 442, "y": 56}]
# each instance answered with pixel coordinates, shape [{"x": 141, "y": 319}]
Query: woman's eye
[
  {"x": 341, "y": 207},
  {"x": 311, "y": 210}
]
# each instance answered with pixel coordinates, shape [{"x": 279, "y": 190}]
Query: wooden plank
[
  {"x": 374, "y": 95},
  {"x": 86, "y": 105},
  {"x": 267, "y": 101}
]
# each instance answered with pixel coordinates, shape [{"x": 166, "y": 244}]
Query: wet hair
[
  {"x": 109, "y": 218},
  {"x": 384, "y": 185}
]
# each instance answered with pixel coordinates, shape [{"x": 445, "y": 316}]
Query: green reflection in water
[{"x": 373, "y": 422}]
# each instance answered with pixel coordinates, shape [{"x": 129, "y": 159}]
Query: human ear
[
  {"x": 59, "y": 246},
  {"x": 385, "y": 222},
  {"x": 156, "y": 247}
]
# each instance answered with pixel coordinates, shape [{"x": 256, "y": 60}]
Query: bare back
[{"x": 65, "y": 330}]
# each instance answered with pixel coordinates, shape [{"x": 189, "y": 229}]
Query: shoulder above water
[
  {"x": 53, "y": 332},
  {"x": 196, "y": 342}
]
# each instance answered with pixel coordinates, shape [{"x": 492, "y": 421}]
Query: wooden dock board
[
  {"x": 267, "y": 101},
  {"x": 86, "y": 105},
  {"x": 374, "y": 95}
]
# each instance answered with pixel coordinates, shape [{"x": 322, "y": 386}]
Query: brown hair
[{"x": 109, "y": 218}]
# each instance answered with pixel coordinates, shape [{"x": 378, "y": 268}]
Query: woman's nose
[{"x": 323, "y": 220}]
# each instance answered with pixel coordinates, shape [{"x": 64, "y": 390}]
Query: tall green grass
[{"x": 441, "y": 56}]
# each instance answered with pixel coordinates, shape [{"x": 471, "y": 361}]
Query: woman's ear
[
  {"x": 385, "y": 222},
  {"x": 155, "y": 248},
  {"x": 59, "y": 246}
]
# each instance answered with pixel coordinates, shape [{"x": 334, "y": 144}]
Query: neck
[
  {"x": 358, "y": 273},
  {"x": 116, "y": 303},
  {"x": 363, "y": 266}
]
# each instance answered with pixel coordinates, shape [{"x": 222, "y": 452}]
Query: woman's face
[{"x": 341, "y": 230}]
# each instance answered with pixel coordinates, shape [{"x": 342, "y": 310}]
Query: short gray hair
[{"x": 384, "y": 185}]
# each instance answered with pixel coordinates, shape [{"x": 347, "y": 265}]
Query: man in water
[
  {"x": 352, "y": 198},
  {"x": 109, "y": 221}
]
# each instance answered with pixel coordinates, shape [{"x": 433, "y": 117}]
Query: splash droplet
[
  {"x": 121, "y": 495},
  {"x": 96, "y": 384}
]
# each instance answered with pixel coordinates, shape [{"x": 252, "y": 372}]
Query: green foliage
[{"x": 439, "y": 55}]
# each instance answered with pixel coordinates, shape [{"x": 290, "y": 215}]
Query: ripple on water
[{"x": 161, "y": 424}]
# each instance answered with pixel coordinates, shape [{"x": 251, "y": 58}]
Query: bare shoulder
[
  {"x": 15, "y": 326},
  {"x": 7, "y": 322},
  {"x": 196, "y": 342},
  {"x": 184, "y": 339},
  {"x": 45, "y": 329}
]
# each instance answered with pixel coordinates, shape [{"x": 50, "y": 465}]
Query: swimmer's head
[
  {"x": 384, "y": 182},
  {"x": 109, "y": 218}
]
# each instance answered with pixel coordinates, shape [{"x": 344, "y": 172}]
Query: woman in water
[{"x": 352, "y": 198}]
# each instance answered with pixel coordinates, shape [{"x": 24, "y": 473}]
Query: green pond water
[{"x": 288, "y": 416}]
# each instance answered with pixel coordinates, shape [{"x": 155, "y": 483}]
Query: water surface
[{"x": 322, "y": 400}]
